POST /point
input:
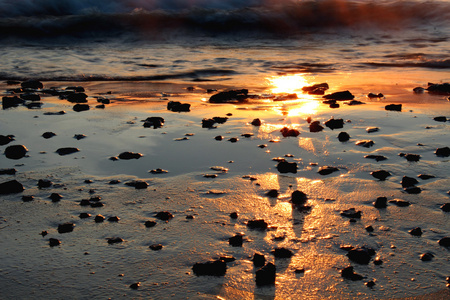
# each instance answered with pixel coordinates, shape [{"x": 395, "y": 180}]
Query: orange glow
[{"x": 287, "y": 83}]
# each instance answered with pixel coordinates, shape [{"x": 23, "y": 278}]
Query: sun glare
[{"x": 287, "y": 83}]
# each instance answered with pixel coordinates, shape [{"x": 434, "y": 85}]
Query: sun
[{"x": 287, "y": 83}]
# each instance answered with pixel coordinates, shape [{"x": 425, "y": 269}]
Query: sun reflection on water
[{"x": 287, "y": 83}]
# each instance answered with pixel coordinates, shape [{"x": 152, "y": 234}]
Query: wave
[{"x": 159, "y": 19}]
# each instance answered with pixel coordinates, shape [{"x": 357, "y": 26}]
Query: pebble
[
  {"x": 11, "y": 187},
  {"x": 54, "y": 242},
  {"x": 258, "y": 259},
  {"x": 416, "y": 231},
  {"x": 16, "y": 151},
  {"x": 156, "y": 247},
  {"x": 343, "y": 136},
  {"x": 257, "y": 224},
  {"x": 66, "y": 227},
  {"x": 266, "y": 275},
  {"x": 326, "y": 170},
  {"x": 380, "y": 174},
  {"x": 211, "y": 268},
  {"x": 164, "y": 215}
]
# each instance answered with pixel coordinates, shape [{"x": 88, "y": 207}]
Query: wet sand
[{"x": 85, "y": 265}]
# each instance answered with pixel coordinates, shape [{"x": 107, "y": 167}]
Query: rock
[
  {"x": 445, "y": 242},
  {"x": 416, "y": 231},
  {"x": 99, "y": 218},
  {"x": 408, "y": 181},
  {"x": 16, "y": 151},
  {"x": 232, "y": 96},
  {"x": 380, "y": 174},
  {"x": 44, "y": 183},
  {"x": 393, "y": 107},
  {"x": 11, "y": 187},
  {"x": 257, "y": 224},
  {"x": 155, "y": 122},
  {"x": 287, "y": 167},
  {"x": 164, "y": 215},
  {"x": 418, "y": 90},
  {"x": 78, "y": 89},
  {"x": 30, "y": 97},
  {"x": 211, "y": 268},
  {"x": 77, "y": 98},
  {"x": 218, "y": 138},
  {"x": 343, "y": 137},
  {"x": 114, "y": 240},
  {"x": 129, "y": 155},
  {"x": 55, "y": 197},
  {"x": 286, "y": 132},
  {"x": 334, "y": 123},
  {"x": 351, "y": 213},
  {"x": 426, "y": 256},
  {"x": 113, "y": 219},
  {"x": 440, "y": 119},
  {"x": 135, "y": 285},
  {"x": 258, "y": 259},
  {"x": 156, "y": 247},
  {"x": 6, "y": 139},
  {"x": 299, "y": 198},
  {"x": 365, "y": 143},
  {"x": 67, "y": 150},
  {"x": 158, "y": 171},
  {"x": 369, "y": 228},
  {"x": 410, "y": 157},
  {"x": 176, "y": 106},
  {"x": 150, "y": 224},
  {"x": 48, "y": 135},
  {"x": 400, "y": 202},
  {"x": 344, "y": 95},
  {"x": 66, "y": 227},
  {"x": 236, "y": 240},
  {"x": 10, "y": 171},
  {"x": 439, "y": 89},
  {"x": 79, "y": 136},
  {"x": 54, "y": 242},
  {"x": 137, "y": 184},
  {"x": 361, "y": 255},
  {"x": 381, "y": 202},
  {"x": 27, "y": 198},
  {"x": 443, "y": 152},
  {"x": 370, "y": 284},
  {"x": 425, "y": 176},
  {"x": 413, "y": 190},
  {"x": 272, "y": 193},
  {"x": 80, "y": 107},
  {"x": 234, "y": 215},
  {"x": 8, "y": 102},
  {"x": 372, "y": 95},
  {"x": 446, "y": 207},
  {"x": 349, "y": 273},
  {"x": 376, "y": 157},
  {"x": 84, "y": 215},
  {"x": 233, "y": 139},
  {"x": 326, "y": 170},
  {"x": 282, "y": 252},
  {"x": 377, "y": 261},
  {"x": 266, "y": 275},
  {"x": 32, "y": 84},
  {"x": 256, "y": 122},
  {"x": 315, "y": 127},
  {"x": 208, "y": 123},
  {"x": 316, "y": 89}
]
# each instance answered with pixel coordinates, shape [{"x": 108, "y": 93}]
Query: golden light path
[{"x": 287, "y": 83}]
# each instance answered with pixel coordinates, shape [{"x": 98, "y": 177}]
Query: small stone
[
  {"x": 315, "y": 127},
  {"x": 282, "y": 253},
  {"x": 381, "y": 202},
  {"x": 361, "y": 255},
  {"x": 425, "y": 176},
  {"x": 369, "y": 228},
  {"x": 150, "y": 224},
  {"x": 272, "y": 193},
  {"x": 54, "y": 242},
  {"x": 16, "y": 151},
  {"x": 266, "y": 275},
  {"x": 211, "y": 268},
  {"x": 27, "y": 198},
  {"x": 299, "y": 198},
  {"x": 393, "y": 107},
  {"x": 440, "y": 119},
  {"x": 156, "y": 247},
  {"x": 426, "y": 256},
  {"x": 80, "y": 107},
  {"x": 79, "y": 136},
  {"x": 114, "y": 219},
  {"x": 114, "y": 240},
  {"x": 258, "y": 259},
  {"x": 233, "y": 139},
  {"x": 413, "y": 190},
  {"x": 155, "y": 122},
  {"x": 372, "y": 129},
  {"x": 443, "y": 152},
  {"x": 377, "y": 261},
  {"x": 48, "y": 135},
  {"x": 351, "y": 213},
  {"x": 256, "y": 122},
  {"x": 376, "y": 157},
  {"x": 99, "y": 219},
  {"x": 343, "y": 137},
  {"x": 416, "y": 231},
  {"x": 55, "y": 197},
  {"x": 43, "y": 233},
  {"x": 412, "y": 157},
  {"x": 257, "y": 224},
  {"x": 218, "y": 138},
  {"x": 234, "y": 215},
  {"x": 11, "y": 187},
  {"x": 326, "y": 170},
  {"x": 227, "y": 258},
  {"x": 164, "y": 215},
  {"x": 44, "y": 183},
  {"x": 66, "y": 227},
  {"x": 135, "y": 285},
  {"x": 129, "y": 155},
  {"x": 370, "y": 284},
  {"x": 343, "y": 95},
  {"x": 84, "y": 215},
  {"x": 287, "y": 132},
  {"x": 67, "y": 150},
  {"x": 380, "y": 174}
]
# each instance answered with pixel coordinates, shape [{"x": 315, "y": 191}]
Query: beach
[{"x": 225, "y": 150}]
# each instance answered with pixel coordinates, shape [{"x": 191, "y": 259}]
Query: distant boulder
[
  {"x": 177, "y": 106},
  {"x": 344, "y": 95},
  {"x": 232, "y": 96},
  {"x": 32, "y": 84}
]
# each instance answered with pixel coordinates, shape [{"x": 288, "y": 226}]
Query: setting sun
[{"x": 287, "y": 83}]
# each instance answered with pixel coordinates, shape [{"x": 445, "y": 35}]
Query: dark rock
[
  {"x": 77, "y": 98},
  {"x": 158, "y": 171},
  {"x": 343, "y": 137},
  {"x": 176, "y": 106},
  {"x": 334, "y": 123},
  {"x": 361, "y": 255},
  {"x": 8, "y": 102},
  {"x": 282, "y": 253},
  {"x": 85, "y": 202},
  {"x": 233, "y": 139},
  {"x": 445, "y": 241},
  {"x": 446, "y": 207},
  {"x": 55, "y": 197},
  {"x": 257, "y": 224},
  {"x": 30, "y": 97},
  {"x": 381, "y": 202},
  {"x": 48, "y": 134},
  {"x": 286, "y": 132},
  {"x": 229, "y": 96},
  {"x": 408, "y": 181},
  {"x": 155, "y": 122},
  {"x": 400, "y": 203},
  {"x": 372, "y": 129},
  {"x": 44, "y": 183},
  {"x": 440, "y": 119},
  {"x": 78, "y": 89},
  {"x": 412, "y": 157},
  {"x": 208, "y": 123},
  {"x": 32, "y": 84},
  {"x": 113, "y": 219},
  {"x": 66, "y": 227},
  {"x": 443, "y": 152},
  {"x": 130, "y": 155},
  {"x": 377, "y": 261},
  {"x": 99, "y": 218},
  {"x": 6, "y": 139},
  {"x": 43, "y": 233},
  {"x": 344, "y": 95},
  {"x": 370, "y": 284},
  {"x": 150, "y": 224},
  {"x": 27, "y": 198},
  {"x": 256, "y": 122},
  {"x": 425, "y": 176},
  {"x": 135, "y": 285},
  {"x": 16, "y": 151},
  {"x": 236, "y": 240},
  {"x": 79, "y": 136},
  {"x": 258, "y": 260},
  {"x": 218, "y": 138},
  {"x": 211, "y": 268},
  {"x": 380, "y": 174},
  {"x": 10, "y": 171},
  {"x": 286, "y": 97},
  {"x": 67, "y": 150},
  {"x": 351, "y": 213},
  {"x": 115, "y": 240},
  {"x": 376, "y": 157},
  {"x": 369, "y": 228},
  {"x": 349, "y": 273},
  {"x": 316, "y": 89},
  {"x": 266, "y": 275},
  {"x": 80, "y": 107},
  {"x": 413, "y": 190},
  {"x": 287, "y": 167},
  {"x": 137, "y": 184},
  {"x": 54, "y": 242},
  {"x": 372, "y": 95},
  {"x": 164, "y": 215},
  {"x": 416, "y": 231},
  {"x": 96, "y": 204},
  {"x": 234, "y": 215},
  {"x": 156, "y": 247},
  {"x": 11, "y": 187},
  {"x": 315, "y": 127},
  {"x": 84, "y": 215},
  {"x": 439, "y": 89},
  {"x": 326, "y": 170},
  {"x": 299, "y": 198},
  {"x": 272, "y": 193},
  {"x": 365, "y": 143},
  {"x": 426, "y": 256}
]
